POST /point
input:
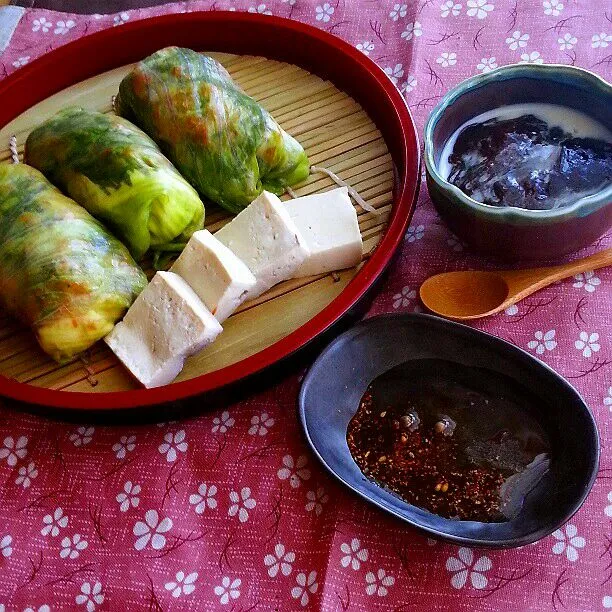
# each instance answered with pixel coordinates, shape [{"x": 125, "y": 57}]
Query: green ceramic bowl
[{"x": 517, "y": 232}]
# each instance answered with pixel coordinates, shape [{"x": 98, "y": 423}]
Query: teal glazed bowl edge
[{"x": 518, "y": 233}]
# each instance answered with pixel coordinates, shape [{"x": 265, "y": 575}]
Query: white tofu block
[
  {"x": 167, "y": 323},
  {"x": 328, "y": 223},
  {"x": 267, "y": 240},
  {"x": 221, "y": 280}
]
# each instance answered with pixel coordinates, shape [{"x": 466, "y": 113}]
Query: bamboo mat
[{"x": 335, "y": 132}]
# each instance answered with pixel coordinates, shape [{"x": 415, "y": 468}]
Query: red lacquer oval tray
[{"x": 344, "y": 110}]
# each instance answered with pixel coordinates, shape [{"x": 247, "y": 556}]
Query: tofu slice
[
  {"x": 221, "y": 280},
  {"x": 267, "y": 240},
  {"x": 166, "y": 323},
  {"x": 328, "y": 223}
]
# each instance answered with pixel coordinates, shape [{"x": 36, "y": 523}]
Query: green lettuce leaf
[
  {"x": 119, "y": 175},
  {"x": 222, "y": 141},
  {"x": 62, "y": 273}
]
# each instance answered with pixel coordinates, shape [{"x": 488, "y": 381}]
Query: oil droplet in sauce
[{"x": 458, "y": 441}]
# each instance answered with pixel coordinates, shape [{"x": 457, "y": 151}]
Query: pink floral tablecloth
[{"x": 230, "y": 510}]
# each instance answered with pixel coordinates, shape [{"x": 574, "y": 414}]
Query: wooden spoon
[{"x": 472, "y": 294}]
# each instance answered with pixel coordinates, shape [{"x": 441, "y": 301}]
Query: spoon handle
[{"x": 536, "y": 278}]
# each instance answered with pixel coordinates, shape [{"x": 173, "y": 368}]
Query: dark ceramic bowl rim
[
  {"x": 511, "y": 350},
  {"x": 582, "y": 207}
]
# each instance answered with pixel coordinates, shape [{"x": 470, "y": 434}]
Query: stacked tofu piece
[
  {"x": 329, "y": 226},
  {"x": 166, "y": 324},
  {"x": 221, "y": 280},
  {"x": 180, "y": 312}
]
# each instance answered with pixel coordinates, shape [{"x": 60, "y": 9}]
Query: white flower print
[
  {"x": 120, "y": 19},
  {"x": 399, "y": 10},
  {"x": 5, "y": 546},
  {"x": 588, "y": 343},
  {"x": 409, "y": 84},
  {"x": 412, "y": 29},
  {"x": 14, "y": 450},
  {"x": 182, "y": 584},
  {"x": 41, "y": 24},
  {"x": 608, "y": 508},
  {"x": 568, "y": 541},
  {"x": 404, "y": 297},
  {"x": 53, "y": 522},
  {"x": 82, "y": 436},
  {"x": 487, "y": 64},
  {"x": 228, "y": 589},
  {"x": 450, "y": 8},
  {"x": 129, "y": 496},
  {"x": 241, "y": 504},
  {"x": 608, "y": 399},
  {"x": 378, "y": 583},
  {"x": 261, "y": 9},
  {"x": 26, "y": 475},
  {"x": 151, "y": 529},
  {"x": 223, "y": 423},
  {"x": 464, "y": 567},
  {"x": 447, "y": 59},
  {"x": 354, "y": 555},
  {"x": 544, "y": 341},
  {"x": 395, "y": 72},
  {"x": 279, "y": 560},
  {"x": 305, "y": 585},
  {"x": 479, "y": 8},
  {"x": 90, "y": 596},
  {"x": 324, "y": 12},
  {"x": 289, "y": 2},
  {"x": 295, "y": 471},
  {"x": 415, "y": 232},
  {"x": 173, "y": 443},
  {"x": 260, "y": 424},
  {"x": 511, "y": 310},
  {"x": 72, "y": 548},
  {"x": 365, "y": 47},
  {"x": 43, "y": 608},
  {"x": 125, "y": 445},
  {"x": 21, "y": 61},
  {"x": 588, "y": 280},
  {"x": 552, "y": 7},
  {"x": 205, "y": 497},
  {"x": 63, "y": 27},
  {"x": 601, "y": 40},
  {"x": 606, "y": 602},
  {"x": 517, "y": 40},
  {"x": 566, "y": 42},
  {"x": 316, "y": 499},
  {"x": 531, "y": 58},
  {"x": 456, "y": 244}
]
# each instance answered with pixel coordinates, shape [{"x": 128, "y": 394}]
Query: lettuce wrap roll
[
  {"x": 222, "y": 141},
  {"x": 61, "y": 272},
  {"x": 120, "y": 176}
]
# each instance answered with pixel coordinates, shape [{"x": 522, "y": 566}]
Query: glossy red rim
[{"x": 242, "y": 33}]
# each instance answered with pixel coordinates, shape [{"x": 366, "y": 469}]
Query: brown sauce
[{"x": 460, "y": 442}]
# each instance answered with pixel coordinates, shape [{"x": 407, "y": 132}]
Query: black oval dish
[{"x": 332, "y": 390}]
